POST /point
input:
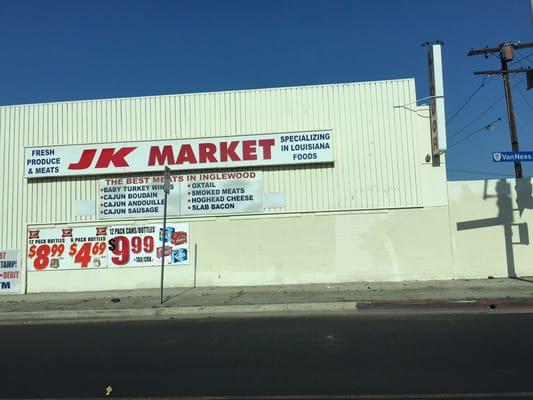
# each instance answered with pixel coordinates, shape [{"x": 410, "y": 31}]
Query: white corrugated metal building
[{"x": 378, "y": 211}]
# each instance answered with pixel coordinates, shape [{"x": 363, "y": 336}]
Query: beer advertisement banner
[
  {"x": 67, "y": 248},
  {"x": 10, "y": 272},
  {"x": 193, "y": 194},
  {"x": 94, "y": 247},
  {"x": 138, "y": 246}
]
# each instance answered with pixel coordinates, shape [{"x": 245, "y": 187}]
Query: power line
[
  {"x": 483, "y": 112},
  {"x": 520, "y": 121},
  {"x": 476, "y": 118},
  {"x": 466, "y": 137},
  {"x": 467, "y": 100},
  {"x": 522, "y": 59},
  {"x": 489, "y": 126},
  {"x": 526, "y": 100},
  {"x": 520, "y": 91}
]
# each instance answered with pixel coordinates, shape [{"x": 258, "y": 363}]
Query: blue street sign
[{"x": 509, "y": 156}]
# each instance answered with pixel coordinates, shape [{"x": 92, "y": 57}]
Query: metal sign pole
[{"x": 166, "y": 187}]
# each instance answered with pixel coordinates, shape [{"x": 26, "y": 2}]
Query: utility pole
[{"x": 506, "y": 52}]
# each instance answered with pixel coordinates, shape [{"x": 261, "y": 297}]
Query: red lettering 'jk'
[{"x": 107, "y": 157}]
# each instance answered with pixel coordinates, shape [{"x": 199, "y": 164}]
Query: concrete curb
[
  {"x": 175, "y": 312},
  {"x": 487, "y": 305},
  {"x": 361, "y": 307}
]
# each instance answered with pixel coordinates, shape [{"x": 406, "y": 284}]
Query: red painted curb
[{"x": 506, "y": 304}]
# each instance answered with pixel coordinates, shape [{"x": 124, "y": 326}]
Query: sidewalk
[{"x": 417, "y": 296}]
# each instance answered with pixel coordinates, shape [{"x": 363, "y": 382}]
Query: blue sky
[{"x": 71, "y": 50}]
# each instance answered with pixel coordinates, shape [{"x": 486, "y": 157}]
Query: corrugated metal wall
[{"x": 374, "y": 145}]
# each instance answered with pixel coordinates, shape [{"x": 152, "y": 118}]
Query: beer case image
[
  {"x": 178, "y": 238},
  {"x": 179, "y": 255}
]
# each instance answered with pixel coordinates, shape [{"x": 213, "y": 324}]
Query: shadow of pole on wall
[{"x": 505, "y": 218}]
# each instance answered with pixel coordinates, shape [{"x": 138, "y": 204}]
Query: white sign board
[
  {"x": 192, "y": 194},
  {"x": 222, "y": 193},
  {"x": 436, "y": 90},
  {"x": 93, "y": 247},
  {"x": 179, "y": 154},
  {"x": 10, "y": 272},
  {"x": 136, "y": 197}
]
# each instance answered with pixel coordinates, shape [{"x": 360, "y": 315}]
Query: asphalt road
[{"x": 304, "y": 356}]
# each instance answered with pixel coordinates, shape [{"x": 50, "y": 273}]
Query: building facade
[{"x": 310, "y": 184}]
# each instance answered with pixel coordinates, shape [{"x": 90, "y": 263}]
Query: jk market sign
[
  {"x": 193, "y": 194},
  {"x": 98, "y": 247},
  {"x": 182, "y": 154}
]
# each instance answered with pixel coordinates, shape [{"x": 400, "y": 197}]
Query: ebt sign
[{"x": 201, "y": 153}]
